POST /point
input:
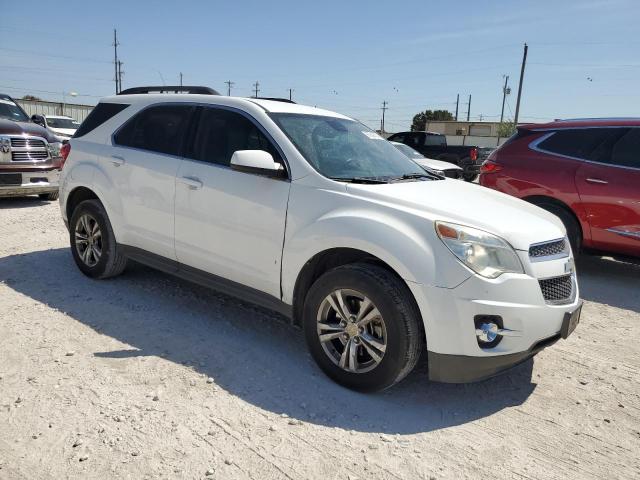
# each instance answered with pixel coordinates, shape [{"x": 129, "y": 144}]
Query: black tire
[
  {"x": 404, "y": 335},
  {"x": 111, "y": 262},
  {"x": 469, "y": 177},
  {"x": 51, "y": 197},
  {"x": 574, "y": 232}
]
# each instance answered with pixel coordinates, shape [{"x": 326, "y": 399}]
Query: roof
[
  {"x": 270, "y": 106},
  {"x": 582, "y": 123}
]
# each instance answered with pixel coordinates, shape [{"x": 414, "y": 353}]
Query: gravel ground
[{"x": 146, "y": 376}]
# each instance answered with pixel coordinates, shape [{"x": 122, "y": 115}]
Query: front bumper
[
  {"x": 449, "y": 320},
  {"x": 32, "y": 183}
]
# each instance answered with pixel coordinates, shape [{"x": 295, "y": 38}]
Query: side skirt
[{"x": 208, "y": 280}]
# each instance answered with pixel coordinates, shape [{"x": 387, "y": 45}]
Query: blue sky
[{"x": 344, "y": 55}]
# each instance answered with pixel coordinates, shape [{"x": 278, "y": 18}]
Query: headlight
[
  {"x": 484, "y": 253},
  {"x": 54, "y": 149}
]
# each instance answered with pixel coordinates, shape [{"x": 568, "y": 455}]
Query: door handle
[
  {"x": 191, "y": 182},
  {"x": 117, "y": 160},
  {"x": 596, "y": 180}
]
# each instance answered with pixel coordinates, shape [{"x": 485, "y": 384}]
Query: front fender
[{"x": 406, "y": 247}]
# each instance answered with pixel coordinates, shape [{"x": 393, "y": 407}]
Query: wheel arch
[
  {"x": 329, "y": 259},
  {"x": 538, "y": 200}
]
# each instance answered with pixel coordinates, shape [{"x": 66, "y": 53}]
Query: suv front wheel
[
  {"x": 362, "y": 326},
  {"x": 93, "y": 244}
]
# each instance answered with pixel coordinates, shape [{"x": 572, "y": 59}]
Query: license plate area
[
  {"x": 570, "y": 322},
  {"x": 10, "y": 179}
]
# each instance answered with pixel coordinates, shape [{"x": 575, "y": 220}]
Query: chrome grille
[
  {"x": 557, "y": 289},
  {"x": 548, "y": 249},
  {"x": 29, "y": 156},
  {"x": 25, "y": 142}
]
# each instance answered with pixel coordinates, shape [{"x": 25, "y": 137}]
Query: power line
[{"x": 120, "y": 74}]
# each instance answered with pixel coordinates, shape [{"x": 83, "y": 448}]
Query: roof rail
[
  {"x": 169, "y": 89},
  {"x": 274, "y": 99}
]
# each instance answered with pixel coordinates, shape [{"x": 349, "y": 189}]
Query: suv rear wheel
[
  {"x": 574, "y": 232},
  {"x": 93, "y": 244},
  {"x": 362, "y": 326}
]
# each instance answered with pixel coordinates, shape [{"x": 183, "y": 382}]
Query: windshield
[
  {"x": 11, "y": 111},
  {"x": 62, "y": 123},
  {"x": 408, "y": 151},
  {"x": 344, "y": 149}
]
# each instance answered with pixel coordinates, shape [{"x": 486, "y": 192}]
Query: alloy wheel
[
  {"x": 351, "y": 331},
  {"x": 88, "y": 239}
]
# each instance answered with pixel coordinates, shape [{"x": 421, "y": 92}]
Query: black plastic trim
[
  {"x": 207, "y": 279},
  {"x": 465, "y": 369}
]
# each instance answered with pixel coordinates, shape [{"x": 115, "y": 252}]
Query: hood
[
  {"x": 518, "y": 222},
  {"x": 9, "y": 127},
  {"x": 67, "y": 132},
  {"x": 436, "y": 164}
]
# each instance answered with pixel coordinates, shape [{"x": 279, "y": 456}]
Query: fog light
[{"x": 487, "y": 333}]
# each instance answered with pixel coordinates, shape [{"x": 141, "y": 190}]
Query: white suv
[{"x": 310, "y": 213}]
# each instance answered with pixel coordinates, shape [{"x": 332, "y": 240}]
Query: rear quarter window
[{"x": 100, "y": 114}]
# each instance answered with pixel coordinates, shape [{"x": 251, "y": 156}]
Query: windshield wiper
[
  {"x": 360, "y": 180},
  {"x": 412, "y": 176}
]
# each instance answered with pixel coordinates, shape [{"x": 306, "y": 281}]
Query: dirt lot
[{"x": 146, "y": 376}]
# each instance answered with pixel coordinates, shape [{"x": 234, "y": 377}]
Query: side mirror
[
  {"x": 257, "y": 162},
  {"x": 39, "y": 119}
]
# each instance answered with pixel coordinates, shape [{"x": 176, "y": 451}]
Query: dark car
[
  {"x": 434, "y": 145},
  {"x": 30, "y": 158},
  {"x": 587, "y": 172}
]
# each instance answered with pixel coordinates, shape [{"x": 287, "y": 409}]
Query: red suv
[{"x": 587, "y": 172}]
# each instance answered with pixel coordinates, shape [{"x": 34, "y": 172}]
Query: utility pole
[
  {"x": 120, "y": 73},
  {"x": 256, "y": 89},
  {"x": 524, "y": 62},
  {"x": 505, "y": 92},
  {"x": 384, "y": 109},
  {"x": 180, "y": 78},
  {"x": 229, "y": 85},
  {"x": 457, "y": 104},
  {"x": 469, "y": 108},
  {"x": 115, "y": 59},
  {"x": 291, "y": 94}
]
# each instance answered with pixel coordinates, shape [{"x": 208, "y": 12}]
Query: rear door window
[
  {"x": 160, "y": 128},
  {"x": 435, "y": 140},
  {"x": 626, "y": 151},
  {"x": 576, "y": 143}
]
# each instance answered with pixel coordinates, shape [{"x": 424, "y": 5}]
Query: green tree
[
  {"x": 30, "y": 97},
  {"x": 420, "y": 119},
  {"x": 506, "y": 129}
]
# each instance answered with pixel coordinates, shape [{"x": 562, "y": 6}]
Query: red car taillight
[
  {"x": 474, "y": 154},
  {"x": 64, "y": 153},
  {"x": 490, "y": 167}
]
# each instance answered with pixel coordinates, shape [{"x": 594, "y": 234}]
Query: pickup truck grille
[
  {"x": 26, "y": 142},
  {"x": 29, "y": 156},
  {"x": 29, "y": 149},
  {"x": 557, "y": 289},
  {"x": 548, "y": 249}
]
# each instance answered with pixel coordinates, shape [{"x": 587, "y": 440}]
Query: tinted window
[
  {"x": 626, "y": 151},
  {"x": 158, "y": 129},
  {"x": 220, "y": 133},
  {"x": 435, "y": 140},
  {"x": 100, "y": 114},
  {"x": 414, "y": 139},
  {"x": 578, "y": 143},
  {"x": 398, "y": 137}
]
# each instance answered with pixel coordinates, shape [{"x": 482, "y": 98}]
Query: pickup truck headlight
[
  {"x": 484, "y": 253},
  {"x": 54, "y": 149}
]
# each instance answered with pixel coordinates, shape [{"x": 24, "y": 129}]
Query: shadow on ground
[
  {"x": 252, "y": 353},
  {"x": 610, "y": 281},
  {"x": 21, "y": 202}
]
